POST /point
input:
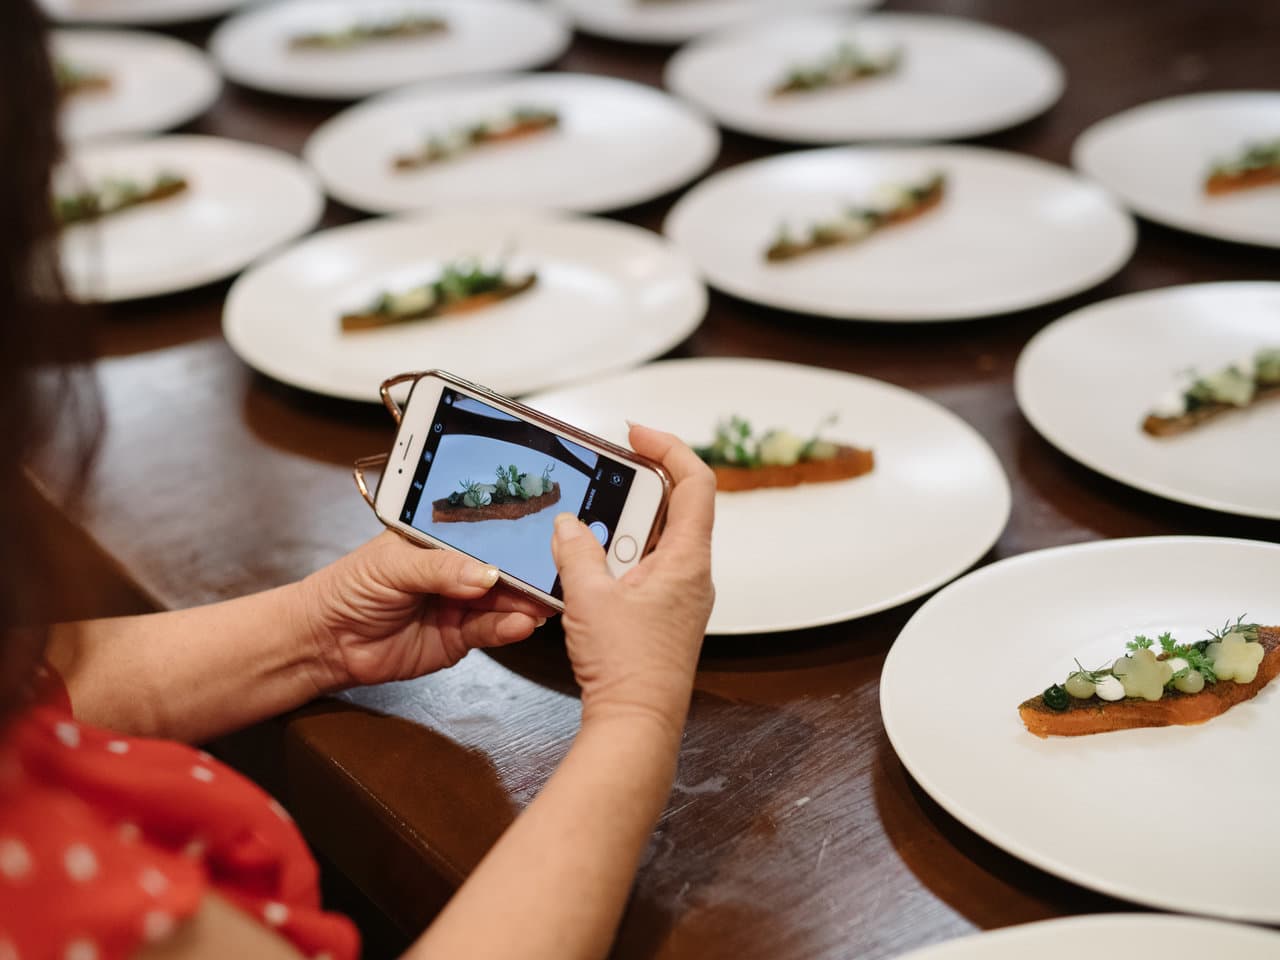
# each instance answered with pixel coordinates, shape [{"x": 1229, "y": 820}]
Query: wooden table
[{"x": 793, "y": 830}]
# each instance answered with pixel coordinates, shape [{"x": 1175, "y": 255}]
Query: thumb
[
  {"x": 578, "y": 555},
  {"x": 401, "y": 565}
]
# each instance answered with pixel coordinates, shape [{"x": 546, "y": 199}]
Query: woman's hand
[
  {"x": 391, "y": 611},
  {"x": 634, "y": 641}
]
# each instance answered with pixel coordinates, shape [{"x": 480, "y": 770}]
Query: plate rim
[
  {"x": 1014, "y": 932},
  {"x": 671, "y": 38},
  {"x": 125, "y": 20},
  {"x": 994, "y": 834},
  {"x": 438, "y": 89},
  {"x": 423, "y": 218},
  {"x": 1089, "y": 136},
  {"x": 857, "y": 613},
  {"x": 356, "y": 96},
  {"x": 1011, "y": 119},
  {"x": 1125, "y": 218},
  {"x": 206, "y": 276},
  {"x": 1123, "y": 477}
]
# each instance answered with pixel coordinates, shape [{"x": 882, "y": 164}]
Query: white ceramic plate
[
  {"x": 483, "y": 36},
  {"x": 674, "y": 21},
  {"x": 1155, "y": 158},
  {"x": 136, "y": 12},
  {"x": 608, "y": 296},
  {"x": 244, "y": 200},
  {"x": 1087, "y": 381},
  {"x": 1171, "y": 817},
  {"x": 786, "y": 559},
  {"x": 157, "y": 83},
  {"x": 1012, "y": 232},
  {"x": 957, "y": 78},
  {"x": 1116, "y": 936},
  {"x": 618, "y": 143}
]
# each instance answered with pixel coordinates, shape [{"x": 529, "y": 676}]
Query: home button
[{"x": 625, "y": 549}]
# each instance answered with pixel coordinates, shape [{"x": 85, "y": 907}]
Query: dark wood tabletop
[{"x": 793, "y": 831}]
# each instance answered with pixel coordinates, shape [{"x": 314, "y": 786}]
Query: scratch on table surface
[
  {"x": 822, "y": 852},
  {"x": 710, "y": 785}
]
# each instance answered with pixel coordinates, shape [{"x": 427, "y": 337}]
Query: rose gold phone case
[{"x": 379, "y": 461}]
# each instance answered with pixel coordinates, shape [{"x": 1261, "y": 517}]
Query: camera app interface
[{"x": 491, "y": 486}]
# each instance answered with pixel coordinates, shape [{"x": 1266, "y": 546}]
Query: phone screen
[{"x": 491, "y": 485}]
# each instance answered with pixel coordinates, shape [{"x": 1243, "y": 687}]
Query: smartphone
[{"x": 479, "y": 473}]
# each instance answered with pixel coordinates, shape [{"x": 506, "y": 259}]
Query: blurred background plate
[
  {"x": 1012, "y": 232},
  {"x": 1087, "y": 381},
  {"x": 136, "y": 12},
  {"x": 483, "y": 36},
  {"x": 1155, "y": 158},
  {"x": 243, "y": 201},
  {"x": 1117, "y": 812},
  {"x": 957, "y": 78},
  {"x": 790, "y": 558},
  {"x": 618, "y": 144},
  {"x": 674, "y": 21},
  {"x": 608, "y": 296},
  {"x": 1110, "y": 937},
  {"x": 156, "y": 82}
]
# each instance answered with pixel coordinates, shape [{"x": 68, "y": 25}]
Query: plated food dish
[
  {"x": 1030, "y": 232},
  {"x": 1159, "y": 682},
  {"x": 512, "y": 494},
  {"x": 832, "y": 78},
  {"x": 741, "y": 460},
  {"x": 977, "y": 648},
  {"x": 349, "y": 49},
  {"x": 116, "y": 82},
  {"x": 796, "y": 556},
  {"x": 460, "y": 286},
  {"x": 607, "y": 296},
  {"x": 675, "y": 21},
  {"x": 1201, "y": 397},
  {"x": 185, "y": 211},
  {"x": 1113, "y": 936},
  {"x": 1161, "y": 389},
  {"x": 115, "y": 195},
  {"x": 1187, "y": 162},
  {"x": 510, "y": 140},
  {"x": 137, "y": 13}
]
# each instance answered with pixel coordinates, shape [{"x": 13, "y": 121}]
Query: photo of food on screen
[{"x": 491, "y": 485}]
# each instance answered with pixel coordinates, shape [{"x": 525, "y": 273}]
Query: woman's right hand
[{"x": 634, "y": 641}]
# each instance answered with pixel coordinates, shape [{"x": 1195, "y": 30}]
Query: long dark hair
[{"x": 48, "y": 397}]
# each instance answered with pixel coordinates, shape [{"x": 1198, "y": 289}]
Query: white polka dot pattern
[
  {"x": 153, "y": 882},
  {"x": 275, "y": 913},
  {"x": 81, "y": 949},
  {"x": 15, "y": 859},
  {"x": 158, "y": 925},
  {"x": 80, "y": 862},
  {"x": 118, "y": 747},
  {"x": 68, "y": 733},
  {"x": 194, "y": 849},
  {"x": 203, "y": 774},
  {"x": 129, "y": 832}
]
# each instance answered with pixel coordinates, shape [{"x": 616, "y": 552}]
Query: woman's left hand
[{"x": 390, "y": 610}]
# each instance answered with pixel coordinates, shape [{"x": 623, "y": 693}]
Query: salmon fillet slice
[{"x": 1083, "y": 717}]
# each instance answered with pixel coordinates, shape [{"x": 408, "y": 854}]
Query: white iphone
[{"x": 476, "y": 472}]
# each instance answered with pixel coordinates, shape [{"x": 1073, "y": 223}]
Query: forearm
[
  {"x": 190, "y": 674},
  {"x": 561, "y": 874}
]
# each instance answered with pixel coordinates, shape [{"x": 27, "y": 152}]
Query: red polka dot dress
[{"x": 109, "y": 842}]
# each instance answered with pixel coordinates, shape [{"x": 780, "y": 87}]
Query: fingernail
[
  {"x": 542, "y": 621},
  {"x": 632, "y": 423},
  {"x": 565, "y": 523},
  {"x": 476, "y": 575}
]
